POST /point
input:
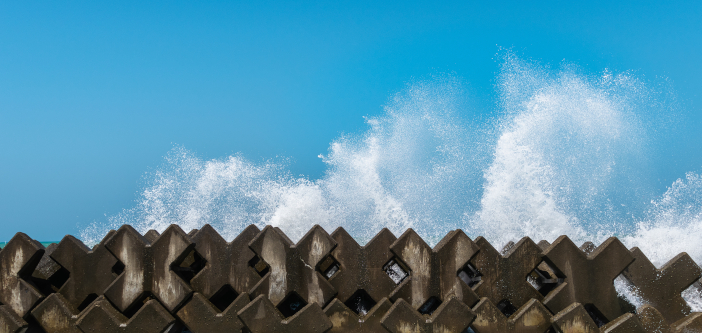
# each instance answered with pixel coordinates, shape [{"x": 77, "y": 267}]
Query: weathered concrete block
[
  {"x": 532, "y": 317},
  {"x": 56, "y": 315},
  {"x": 201, "y": 316},
  {"x": 90, "y": 270},
  {"x": 434, "y": 271},
  {"x": 293, "y": 267},
  {"x": 227, "y": 263},
  {"x": 261, "y": 316},
  {"x": 575, "y": 319},
  {"x": 10, "y": 322},
  {"x": 690, "y": 324},
  {"x": 147, "y": 267},
  {"x": 361, "y": 267},
  {"x": 18, "y": 259},
  {"x": 652, "y": 320},
  {"x": 588, "y": 278},
  {"x": 101, "y": 317},
  {"x": 344, "y": 320},
  {"x": 504, "y": 277},
  {"x": 662, "y": 287},
  {"x": 451, "y": 316}
]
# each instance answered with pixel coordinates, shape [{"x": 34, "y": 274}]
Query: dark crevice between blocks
[
  {"x": 430, "y": 306},
  {"x": 469, "y": 274},
  {"x": 396, "y": 270},
  {"x": 59, "y": 278},
  {"x": 259, "y": 266},
  {"x": 360, "y": 302},
  {"x": 329, "y": 266},
  {"x": 117, "y": 269},
  {"x": 597, "y": 316},
  {"x": 544, "y": 278},
  {"x": 89, "y": 299},
  {"x": 291, "y": 304},
  {"x": 506, "y": 307},
  {"x": 191, "y": 264},
  {"x": 138, "y": 303},
  {"x": 224, "y": 297}
]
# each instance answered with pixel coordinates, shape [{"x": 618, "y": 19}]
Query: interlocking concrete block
[
  {"x": 662, "y": 287},
  {"x": 293, "y": 267},
  {"x": 652, "y": 320},
  {"x": 56, "y": 315},
  {"x": 261, "y": 316},
  {"x": 361, "y": 267},
  {"x": 201, "y": 316},
  {"x": 589, "y": 279},
  {"x": 532, "y": 317},
  {"x": 626, "y": 323},
  {"x": 10, "y": 322},
  {"x": 434, "y": 271},
  {"x": 18, "y": 259},
  {"x": 451, "y": 316},
  {"x": 101, "y": 317},
  {"x": 504, "y": 277},
  {"x": 575, "y": 319},
  {"x": 147, "y": 267},
  {"x": 344, "y": 320},
  {"x": 90, "y": 270},
  {"x": 227, "y": 263},
  {"x": 690, "y": 324}
]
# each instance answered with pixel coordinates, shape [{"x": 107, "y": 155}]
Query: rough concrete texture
[
  {"x": 261, "y": 316},
  {"x": 361, "y": 267},
  {"x": 293, "y": 267},
  {"x": 434, "y": 271},
  {"x": 532, "y": 317},
  {"x": 56, "y": 315},
  {"x": 451, "y": 316},
  {"x": 201, "y": 316},
  {"x": 10, "y": 322},
  {"x": 689, "y": 324},
  {"x": 102, "y": 317},
  {"x": 18, "y": 259},
  {"x": 74, "y": 256},
  {"x": 589, "y": 279},
  {"x": 575, "y": 319},
  {"x": 344, "y": 320},
  {"x": 227, "y": 263},
  {"x": 44, "y": 290},
  {"x": 504, "y": 276},
  {"x": 662, "y": 287},
  {"x": 147, "y": 267}
]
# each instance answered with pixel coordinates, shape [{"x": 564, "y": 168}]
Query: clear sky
[{"x": 94, "y": 94}]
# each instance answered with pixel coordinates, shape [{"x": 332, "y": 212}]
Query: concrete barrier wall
[{"x": 263, "y": 282}]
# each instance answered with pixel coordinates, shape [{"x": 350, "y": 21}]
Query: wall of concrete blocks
[{"x": 263, "y": 282}]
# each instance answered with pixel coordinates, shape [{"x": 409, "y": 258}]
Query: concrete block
[
  {"x": 90, "y": 269},
  {"x": 56, "y": 315},
  {"x": 589, "y": 279},
  {"x": 201, "y": 316},
  {"x": 293, "y": 268},
  {"x": 101, "y": 317},
  {"x": 532, "y": 317},
  {"x": 662, "y": 287},
  {"x": 345, "y": 320},
  {"x": 10, "y": 322},
  {"x": 451, "y": 316},
  {"x": 227, "y": 263},
  {"x": 434, "y": 271},
  {"x": 260, "y": 316},
  {"x": 18, "y": 259}
]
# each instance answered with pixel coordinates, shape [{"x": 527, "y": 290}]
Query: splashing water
[{"x": 566, "y": 153}]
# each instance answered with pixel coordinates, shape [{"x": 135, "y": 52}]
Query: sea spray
[{"x": 565, "y": 153}]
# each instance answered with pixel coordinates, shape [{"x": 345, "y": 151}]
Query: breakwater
[{"x": 263, "y": 282}]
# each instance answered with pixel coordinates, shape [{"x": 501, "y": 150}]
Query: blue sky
[{"x": 94, "y": 94}]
